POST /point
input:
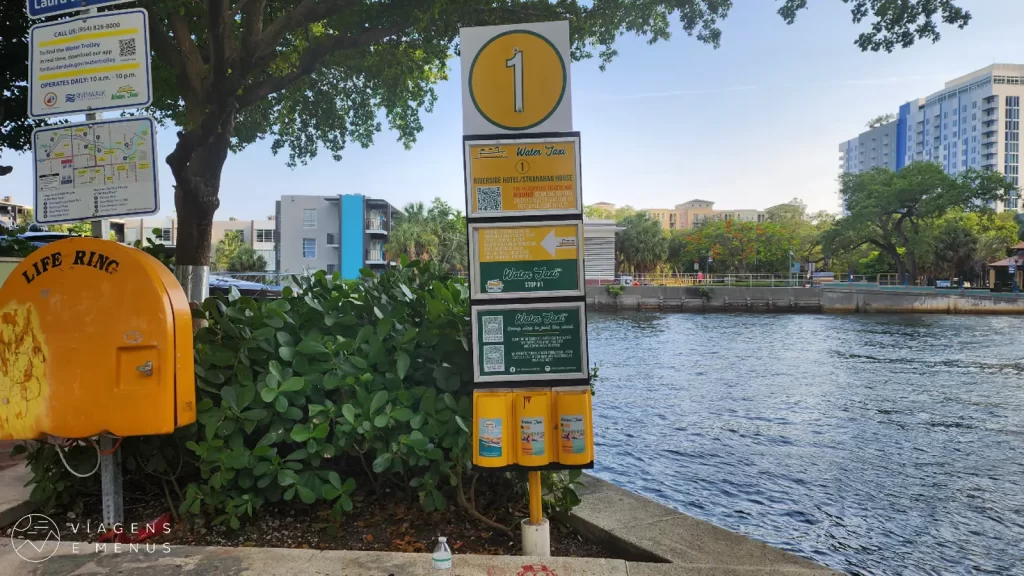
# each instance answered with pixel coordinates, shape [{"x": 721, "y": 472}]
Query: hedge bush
[{"x": 300, "y": 397}]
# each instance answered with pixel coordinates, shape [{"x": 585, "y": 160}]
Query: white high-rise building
[{"x": 973, "y": 122}]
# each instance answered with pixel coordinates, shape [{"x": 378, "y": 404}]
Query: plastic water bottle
[{"x": 442, "y": 557}]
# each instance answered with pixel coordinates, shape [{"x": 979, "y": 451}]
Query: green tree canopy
[
  {"x": 437, "y": 233},
  {"x": 887, "y": 209},
  {"x": 880, "y": 119},
  {"x": 312, "y": 75},
  {"x": 642, "y": 246}
]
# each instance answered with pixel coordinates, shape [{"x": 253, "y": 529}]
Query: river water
[{"x": 872, "y": 444}]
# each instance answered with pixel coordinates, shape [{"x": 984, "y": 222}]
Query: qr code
[
  {"x": 488, "y": 198},
  {"x": 494, "y": 358},
  {"x": 127, "y": 47},
  {"x": 493, "y": 329}
]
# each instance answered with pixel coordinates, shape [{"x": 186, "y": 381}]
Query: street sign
[
  {"x": 527, "y": 260},
  {"x": 515, "y": 78},
  {"x": 523, "y": 177},
  {"x": 530, "y": 342},
  {"x": 89, "y": 63},
  {"x": 94, "y": 170},
  {"x": 41, "y": 8}
]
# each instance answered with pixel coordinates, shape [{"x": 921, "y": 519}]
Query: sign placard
[
  {"x": 523, "y": 177},
  {"x": 40, "y": 8},
  {"x": 515, "y": 78},
  {"x": 90, "y": 63},
  {"x": 95, "y": 170},
  {"x": 528, "y": 260},
  {"x": 529, "y": 342}
]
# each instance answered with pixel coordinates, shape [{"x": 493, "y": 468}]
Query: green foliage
[
  {"x": 437, "y": 234},
  {"x": 642, "y": 246},
  {"x": 889, "y": 211},
  {"x": 615, "y": 290},
  {"x": 13, "y": 247},
  {"x": 705, "y": 293},
  {"x": 294, "y": 390},
  {"x": 300, "y": 398},
  {"x": 227, "y": 248}
]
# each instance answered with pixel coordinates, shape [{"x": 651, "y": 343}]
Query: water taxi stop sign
[{"x": 94, "y": 337}]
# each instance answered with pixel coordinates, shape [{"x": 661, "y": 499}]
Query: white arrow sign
[{"x": 551, "y": 243}]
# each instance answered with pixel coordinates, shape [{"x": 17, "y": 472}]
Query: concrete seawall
[
  {"x": 833, "y": 298},
  {"x": 870, "y": 298},
  {"x": 722, "y": 299}
]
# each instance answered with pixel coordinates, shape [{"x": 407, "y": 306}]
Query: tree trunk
[
  {"x": 197, "y": 184},
  {"x": 196, "y": 163}
]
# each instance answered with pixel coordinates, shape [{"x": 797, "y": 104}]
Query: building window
[
  {"x": 162, "y": 234},
  {"x": 945, "y": 114},
  {"x": 265, "y": 235},
  {"x": 331, "y": 268},
  {"x": 309, "y": 218},
  {"x": 964, "y": 109},
  {"x": 974, "y": 104},
  {"x": 309, "y": 247},
  {"x": 332, "y": 239}
]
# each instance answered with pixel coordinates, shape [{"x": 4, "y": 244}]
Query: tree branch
[
  {"x": 192, "y": 60},
  {"x": 311, "y": 59},
  {"x": 306, "y": 12},
  {"x": 220, "y": 45}
]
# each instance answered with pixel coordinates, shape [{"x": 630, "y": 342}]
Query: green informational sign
[
  {"x": 529, "y": 342},
  {"x": 526, "y": 260}
]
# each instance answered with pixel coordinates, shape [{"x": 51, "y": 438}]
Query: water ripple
[{"x": 873, "y": 444}]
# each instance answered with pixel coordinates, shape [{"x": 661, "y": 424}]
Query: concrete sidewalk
[
  {"x": 655, "y": 539},
  {"x": 73, "y": 559}
]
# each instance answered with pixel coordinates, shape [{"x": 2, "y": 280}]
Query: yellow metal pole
[{"x": 536, "y": 510}]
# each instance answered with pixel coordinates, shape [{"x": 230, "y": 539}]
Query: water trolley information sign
[
  {"x": 529, "y": 342},
  {"x": 95, "y": 170},
  {"x": 526, "y": 260},
  {"x": 523, "y": 177},
  {"x": 90, "y": 63}
]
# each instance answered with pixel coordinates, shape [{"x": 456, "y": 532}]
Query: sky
[{"x": 752, "y": 124}]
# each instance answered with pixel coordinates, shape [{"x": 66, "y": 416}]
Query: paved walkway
[{"x": 663, "y": 541}]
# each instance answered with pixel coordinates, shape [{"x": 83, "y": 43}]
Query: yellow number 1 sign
[{"x": 516, "y": 78}]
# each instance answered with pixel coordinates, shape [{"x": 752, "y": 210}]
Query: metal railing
[
  {"x": 375, "y": 256},
  {"x": 749, "y": 280},
  {"x": 376, "y": 224}
]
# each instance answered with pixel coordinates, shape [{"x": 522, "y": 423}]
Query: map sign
[
  {"x": 90, "y": 63},
  {"x": 529, "y": 342},
  {"x": 526, "y": 260},
  {"x": 40, "y": 8},
  {"x": 95, "y": 170},
  {"x": 523, "y": 177},
  {"x": 515, "y": 78}
]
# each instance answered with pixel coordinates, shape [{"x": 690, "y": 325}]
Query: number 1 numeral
[{"x": 516, "y": 63}]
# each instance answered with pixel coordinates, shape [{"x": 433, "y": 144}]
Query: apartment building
[
  {"x": 10, "y": 212},
  {"x": 973, "y": 122},
  {"x": 260, "y": 235},
  {"x": 694, "y": 213},
  {"x": 342, "y": 233}
]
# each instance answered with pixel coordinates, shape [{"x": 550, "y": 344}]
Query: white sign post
[
  {"x": 89, "y": 64},
  {"x": 93, "y": 170},
  {"x": 515, "y": 78}
]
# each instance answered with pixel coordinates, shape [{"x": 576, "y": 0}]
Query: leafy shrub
[
  {"x": 705, "y": 293},
  {"x": 615, "y": 290},
  {"x": 301, "y": 397}
]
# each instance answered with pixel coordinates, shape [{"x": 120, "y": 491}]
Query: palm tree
[{"x": 643, "y": 245}]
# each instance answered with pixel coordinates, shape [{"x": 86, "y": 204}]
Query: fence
[{"x": 749, "y": 280}]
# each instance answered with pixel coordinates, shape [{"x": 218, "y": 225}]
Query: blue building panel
[
  {"x": 902, "y": 129},
  {"x": 351, "y": 233}
]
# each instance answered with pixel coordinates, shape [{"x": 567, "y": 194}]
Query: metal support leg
[{"x": 110, "y": 475}]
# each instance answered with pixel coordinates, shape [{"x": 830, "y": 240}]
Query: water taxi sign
[
  {"x": 523, "y": 177},
  {"x": 41, "y": 8},
  {"x": 526, "y": 260},
  {"x": 516, "y": 78},
  {"x": 529, "y": 342}
]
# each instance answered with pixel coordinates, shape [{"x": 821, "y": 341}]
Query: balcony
[
  {"x": 332, "y": 241},
  {"x": 377, "y": 225},
  {"x": 986, "y": 165},
  {"x": 375, "y": 256}
]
